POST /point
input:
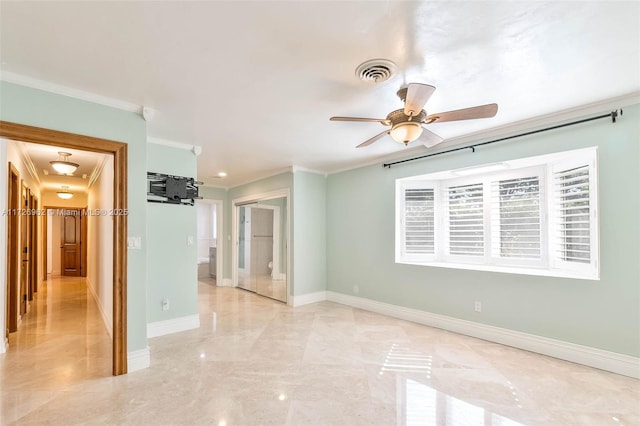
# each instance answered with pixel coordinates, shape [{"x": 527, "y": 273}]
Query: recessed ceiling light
[{"x": 222, "y": 174}]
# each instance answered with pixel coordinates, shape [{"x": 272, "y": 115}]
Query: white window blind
[
  {"x": 466, "y": 220},
  {"x": 515, "y": 218},
  {"x": 534, "y": 215},
  {"x": 418, "y": 221},
  {"x": 572, "y": 195}
]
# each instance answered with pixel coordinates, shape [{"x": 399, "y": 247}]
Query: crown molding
[
  {"x": 295, "y": 169},
  {"x": 34, "y": 83},
  {"x": 275, "y": 173},
  {"x": 195, "y": 149},
  {"x": 28, "y": 163},
  {"x": 97, "y": 171}
]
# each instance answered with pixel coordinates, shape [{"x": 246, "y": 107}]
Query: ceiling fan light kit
[
  {"x": 62, "y": 165},
  {"x": 406, "y": 132},
  {"x": 407, "y": 123}
]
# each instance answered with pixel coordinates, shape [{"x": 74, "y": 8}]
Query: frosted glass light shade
[
  {"x": 406, "y": 132},
  {"x": 65, "y": 195},
  {"x": 64, "y": 167}
]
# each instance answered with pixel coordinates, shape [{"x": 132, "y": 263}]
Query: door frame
[
  {"x": 12, "y": 302},
  {"x": 45, "y": 241},
  {"x": 236, "y": 203},
  {"x": 83, "y": 238},
  {"x": 38, "y": 135},
  {"x": 219, "y": 236},
  {"x": 35, "y": 252}
]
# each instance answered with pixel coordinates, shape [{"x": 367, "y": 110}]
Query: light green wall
[
  {"x": 309, "y": 233},
  {"x": 603, "y": 314},
  {"x": 34, "y": 107},
  {"x": 172, "y": 271}
]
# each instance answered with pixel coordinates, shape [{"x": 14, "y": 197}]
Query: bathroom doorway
[{"x": 209, "y": 241}]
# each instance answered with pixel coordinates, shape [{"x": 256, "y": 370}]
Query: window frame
[{"x": 544, "y": 167}]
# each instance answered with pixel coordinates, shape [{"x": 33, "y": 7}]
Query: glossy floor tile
[{"x": 256, "y": 361}]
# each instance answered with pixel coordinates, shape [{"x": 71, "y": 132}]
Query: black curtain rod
[{"x": 613, "y": 115}]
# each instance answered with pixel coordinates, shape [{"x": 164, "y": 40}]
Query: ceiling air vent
[{"x": 375, "y": 70}]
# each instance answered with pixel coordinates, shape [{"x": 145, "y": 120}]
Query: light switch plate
[{"x": 134, "y": 243}]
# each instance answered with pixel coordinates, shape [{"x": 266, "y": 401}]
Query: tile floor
[{"x": 256, "y": 361}]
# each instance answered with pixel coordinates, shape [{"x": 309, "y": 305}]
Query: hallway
[{"x": 61, "y": 342}]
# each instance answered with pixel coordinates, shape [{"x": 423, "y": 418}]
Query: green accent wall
[
  {"x": 172, "y": 261},
  {"x": 602, "y": 314},
  {"x": 310, "y": 232},
  {"x": 34, "y": 107}
]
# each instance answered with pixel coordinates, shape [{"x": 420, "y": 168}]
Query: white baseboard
[
  {"x": 225, "y": 282},
  {"x": 305, "y": 299},
  {"x": 4, "y": 345},
  {"x": 138, "y": 360},
  {"x": 105, "y": 319},
  {"x": 586, "y": 355},
  {"x": 160, "y": 328}
]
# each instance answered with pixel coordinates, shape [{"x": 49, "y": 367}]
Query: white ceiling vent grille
[{"x": 375, "y": 70}]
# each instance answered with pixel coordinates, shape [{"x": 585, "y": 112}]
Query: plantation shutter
[
  {"x": 418, "y": 219},
  {"x": 572, "y": 189},
  {"x": 465, "y": 220},
  {"x": 515, "y": 218}
]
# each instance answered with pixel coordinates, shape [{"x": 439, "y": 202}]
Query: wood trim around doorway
[
  {"x": 13, "y": 249},
  {"x": 24, "y": 133}
]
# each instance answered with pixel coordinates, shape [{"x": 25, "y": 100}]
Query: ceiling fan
[{"x": 406, "y": 123}]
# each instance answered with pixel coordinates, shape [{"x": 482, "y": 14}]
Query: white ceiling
[{"x": 254, "y": 83}]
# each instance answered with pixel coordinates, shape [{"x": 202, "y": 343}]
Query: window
[{"x": 534, "y": 216}]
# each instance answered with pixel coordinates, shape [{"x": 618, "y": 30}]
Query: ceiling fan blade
[
  {"x": 482, "y": 111},
  {"x": 429, "y": 139},
  {"x": 417, "y": 96},
  {"x": 375, "y": 120},
  {"x": 373, "y": 139}
]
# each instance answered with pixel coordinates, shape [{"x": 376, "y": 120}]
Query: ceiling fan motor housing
[{"x": 398, "y": 116}]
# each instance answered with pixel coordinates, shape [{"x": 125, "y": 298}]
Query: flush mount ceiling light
[
  {"x": 63, "y": 165},
  {"x": 64, "y": 193}
]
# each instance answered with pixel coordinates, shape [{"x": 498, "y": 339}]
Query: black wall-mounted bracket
[{"x": 169, "y": 189}]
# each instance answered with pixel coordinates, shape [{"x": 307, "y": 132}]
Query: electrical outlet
[
  {"x": 477, "y": 306},
  {"x": 165, "y": 304},
  {"x": 190, "y": 240},
  {"x": 356, "y": 289}
]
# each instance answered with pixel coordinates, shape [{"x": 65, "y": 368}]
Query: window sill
[{"x": 505, "y": 269}]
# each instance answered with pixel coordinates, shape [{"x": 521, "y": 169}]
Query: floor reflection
[{"x": 419, "y": 404}]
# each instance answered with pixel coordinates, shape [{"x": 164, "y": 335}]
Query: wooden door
[
  {"x": 34, "y": 221},
  {"x": 24, "y": 250},
  {"x": 71, "y": 243},
  {"x": 13, "y": 249}
]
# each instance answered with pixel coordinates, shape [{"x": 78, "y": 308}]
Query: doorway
[
  {"x": 209, "y": 244},
  {"x": 30, "y": 134},
  {"x": 72, "y": 243},
  {"x": 261, "y": 237}
]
